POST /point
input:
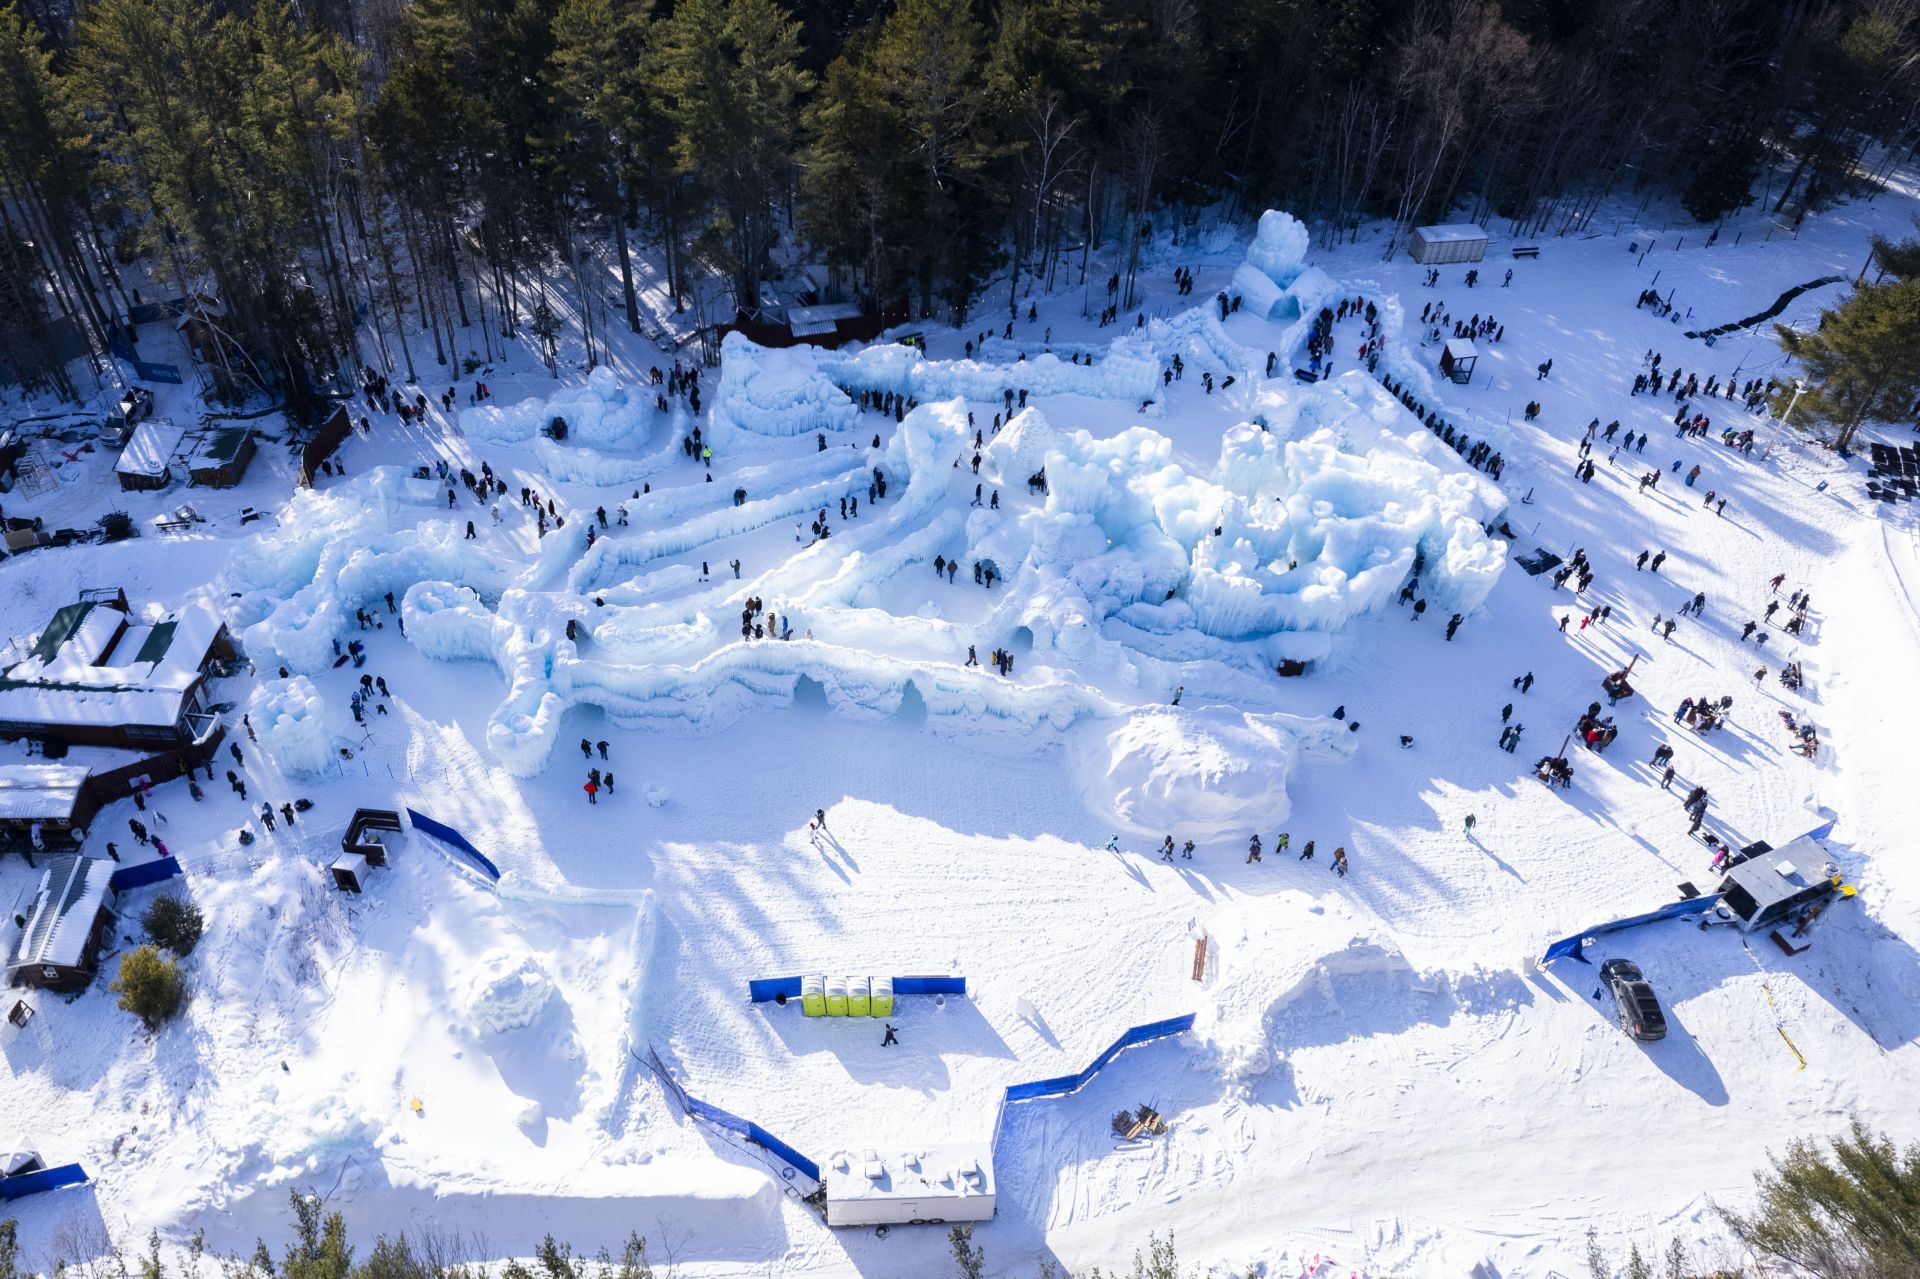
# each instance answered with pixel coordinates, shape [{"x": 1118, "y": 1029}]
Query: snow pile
[
  {"x": 1019, "y": 450},
  {"x": 580, "y": 465},
  {"x": 604, "y": 413},
  {"x": 778, "y": 392},
  {"x": 507, "y": 992},
  {"x": 1279, "y": 248},
  {"x": 1206, "y": 773},
  {"x": 290, "y": 718}
]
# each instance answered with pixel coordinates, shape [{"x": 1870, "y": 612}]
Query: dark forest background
[{"x": 359, "y": 180}]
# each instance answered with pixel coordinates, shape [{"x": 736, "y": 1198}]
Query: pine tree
[
  {"x": 728, "y": 78},
  {"x": 1852, "y": 1212},
  {"x": 1859, "y": 361}
]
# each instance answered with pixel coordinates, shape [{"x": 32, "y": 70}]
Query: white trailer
[{"x": 929, "y": 1186}]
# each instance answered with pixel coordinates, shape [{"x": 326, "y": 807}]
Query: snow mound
[
  {"x": 508, "y": 992},
  {"x": 1129, "y": 371},
  {"x": 290, "y": 718},
  {"x": 779, "y": 392},
  {"x": 1207, "y": 773},
  {"x": 604, "y": 413}
]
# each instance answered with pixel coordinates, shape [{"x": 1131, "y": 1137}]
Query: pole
[{"x": 1799, "y": 386}]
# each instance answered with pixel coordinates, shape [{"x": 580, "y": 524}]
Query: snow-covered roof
[
  {"x": 154, "y": 441},
  {"x": 1462, "y": 349},
  {"x": 1451, "y": 232},
  {"x": 815, "y": 321},
  {"x": 101, "y": 667},
  {"x": 72, "y": 891},
  {"x": 40, "y": 791},
  {"x": 928, "y": 1172}
]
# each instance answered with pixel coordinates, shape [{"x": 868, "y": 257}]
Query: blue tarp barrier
[
  {"x": 1073, "y": 1083},
  {"x": 143, "y": 873},
  {"x": 143, "y": 371},
  {"x": 752, "y": 1132},
  {"x": 765, "y": 989},
  {"x": 454, "y": 839},
  {"x": 1576, "y": 945},
  {"x": 33, "y": 1183}
]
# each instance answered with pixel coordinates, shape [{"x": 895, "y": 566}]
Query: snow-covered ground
[{"x": 1379, "y": 1077}]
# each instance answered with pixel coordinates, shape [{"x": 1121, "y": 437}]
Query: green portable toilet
[
  {"x": 880, "y": 1002},
  {"x": 856, "y": 996},
  {"x": 813, "y": 996},
  {"x": 836, "y": 996}
]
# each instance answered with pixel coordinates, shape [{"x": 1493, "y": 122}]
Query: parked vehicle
[
  {"x": 1636, "y": 1004},
  {"x": 135, "y": 406}
]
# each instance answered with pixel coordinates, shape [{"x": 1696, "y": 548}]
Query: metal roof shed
[
  {"x": 69, "y": 922},
  {"x": 1454, "y": 242}
]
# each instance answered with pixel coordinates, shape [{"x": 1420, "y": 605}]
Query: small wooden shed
[
  {"x": 1457, "y": 359},
  {"x": 220, "y": 459},
  {"x": 144, "y": 462},
  {"x": 1454, "y": 242}
]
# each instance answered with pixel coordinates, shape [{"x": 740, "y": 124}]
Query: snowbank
[
  {"x": 290, "y": 718},
  {"x": 1206, "y": 773},
  {"x": 1019, "y": 450}
]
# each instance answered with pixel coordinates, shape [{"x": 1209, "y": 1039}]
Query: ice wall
[
  {"x": 603, "y": 413},
  {"x": 290, "y": 718},
  {"x": 779, "y": 392}
]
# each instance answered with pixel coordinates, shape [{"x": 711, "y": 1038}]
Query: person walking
[
  {"x": 593, "y": 791},
  {"x": 1253, "y": 849},
  {"x": 1178, "y": 693},
  {"x": 1471, "y": 819},
  {"x": 1281, "y": 841},
  {"x": 1166, "y": 850},
  {"x": 1340, "y": 862},
  {"x": 1186, "y": 850},
  {"x": 602, "y": 748},
  {"x": 1306, "y": 853},
  {"x": 892, "y": 1040},
  {"x": 1506, "y": 712},
  {"x": 1113, "y": 843}
]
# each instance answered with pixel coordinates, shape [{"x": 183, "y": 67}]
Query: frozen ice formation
[
  {"x": 779, "y": 392},
  {"x": 507, "y": 992},
  {"x": 338, "y": 550},
  {"x": 1133, "y": 573},
  {"x": 290, "y": 718},
  {"x": 1204, "y": 773},
  {"x": 603, "y": 413}
]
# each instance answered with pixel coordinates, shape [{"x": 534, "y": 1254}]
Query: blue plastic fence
[
  {"x": 1576, "y": 945},
  {"x": 32, "y": 1183},
  {"x": 453, "y": 838},
  {"x": 1073, "y": 1083},
  {"x": 141, "y": 874},
  {"x": 752, "y": 1132},
  {"x": 766, "y": 989}
]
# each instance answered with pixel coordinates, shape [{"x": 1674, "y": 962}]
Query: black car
[{"x": 1634, "y": 1000}]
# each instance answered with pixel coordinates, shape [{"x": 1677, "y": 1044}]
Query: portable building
[
  {"x": 1454, "y": 242},
  {"x": 1775, "y": 886},
  {"x": 858, "y": 997},
  {"x": 69, "y": 923},
  {"x": 927, "y": 1186}
]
